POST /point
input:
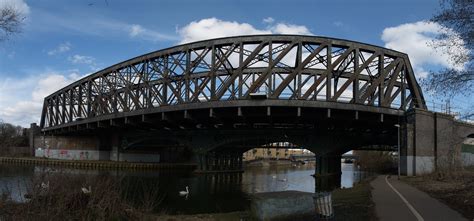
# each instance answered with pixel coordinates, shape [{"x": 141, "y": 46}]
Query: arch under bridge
[{"x": 212, "y": 100}]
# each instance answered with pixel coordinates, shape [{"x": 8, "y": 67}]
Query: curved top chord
[{"x": 273, "y": 67}]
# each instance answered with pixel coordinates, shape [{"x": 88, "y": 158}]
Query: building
[{"x": 274, "y": 153}]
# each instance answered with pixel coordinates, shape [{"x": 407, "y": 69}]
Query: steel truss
[{"x": 284, "y": 67}]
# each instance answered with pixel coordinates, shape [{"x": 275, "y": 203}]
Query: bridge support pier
[
  {"x": 327, "y": 172},
  {"x": 219, "y": 162},
  {"x": 327, "y": 165},
  {"x": 431, "y": 142}
]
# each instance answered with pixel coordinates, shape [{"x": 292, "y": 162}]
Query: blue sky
[{"x": 65, "y": 40}]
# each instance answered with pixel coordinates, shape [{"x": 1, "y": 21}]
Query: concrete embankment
[
  {"x": 268, "y": 163},
  {"x": 95, "y": 164}
]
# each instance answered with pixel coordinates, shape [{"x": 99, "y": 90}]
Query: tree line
[{"x": 12, "y": 136}]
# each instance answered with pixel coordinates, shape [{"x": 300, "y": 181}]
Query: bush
[
  {"x": 59, "y": 197},
  {"x": 376, "y": 161}
]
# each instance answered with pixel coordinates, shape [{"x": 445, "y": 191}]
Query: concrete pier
[
  {"x": 430, "y": 141},
  {"x": 283, "y": 205}
]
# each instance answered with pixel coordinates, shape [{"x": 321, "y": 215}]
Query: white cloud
[
  {"x": 19, "y": 5},
  {"x": 214, "y": 28},
  {"x": 414, "y": 39},
  {"x": 136, "y": 30},
  {"x": 81, "y": 59},
  {"x": 93, "y": 24},
  {"x": 268, "y": 20},
  {"x": 282, "y": 28},
  {"x": 338, "y": 23},
  {"x": 84, "y": 60},
  {"x": 25, "y": 107},
  {"x": 61, "y": 48}
]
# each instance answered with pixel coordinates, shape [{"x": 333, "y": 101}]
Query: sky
[{"x": 62, "y": 41}]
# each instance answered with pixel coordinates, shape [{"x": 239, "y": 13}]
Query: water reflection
[{"x": 207, "y": 193}]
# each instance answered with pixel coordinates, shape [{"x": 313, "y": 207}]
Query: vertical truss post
[
  {"x": 187, "y": 77},
  {"x": 355, "y": 84},
  {"x": 298, "y": 66},
  {"x": 382, "y": 81},
  {"x": 89, "y": 98},
  {"x": 239, "y": 69},
  {"x": 63, "y": 108},
  {"x": 165, "y": 80},
  {"x": 213, "y": 71},
  {"x": 71, "y": 104},
  {"x": 329, "y": 72},
  {"x": 79, "y": 101},
  {"x": 270, "y": 79}
]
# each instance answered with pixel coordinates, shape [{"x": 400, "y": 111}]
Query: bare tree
[
  {"x": 457, "y": 17},
  {"x": 11, "y": 20}
]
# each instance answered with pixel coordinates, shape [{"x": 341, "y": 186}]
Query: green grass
[
  {"x": 348, "y": 204},
  {"x": 354, "y": 203}
]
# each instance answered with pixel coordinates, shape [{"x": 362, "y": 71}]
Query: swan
[
  {"x": 274, "y": 177},
  {"x": 184, "y": 193},
  {"x": 85, "y": 190},
  {"x": 45, "y": 185}
]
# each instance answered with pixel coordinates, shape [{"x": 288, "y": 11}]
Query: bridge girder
[{"x": 299, "y": 69}]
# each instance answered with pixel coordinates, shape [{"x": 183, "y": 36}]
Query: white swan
[
  {"x": 85, "y": 190},
  {"x": 274, "y": 177},
  {"x": 184, "y": 193},
  {"x": 45, "y": 185}
]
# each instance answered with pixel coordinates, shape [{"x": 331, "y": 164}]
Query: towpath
[{"x": 396, "y": 200}]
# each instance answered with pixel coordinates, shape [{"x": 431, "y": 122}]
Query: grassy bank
[
  {"x": 455, "y": 190},
  {"x": 348, "y": 204},
  {"x": 109, "y": 199},
  {"x": 233, "y": 216},
  {"x": 354, "y": 203},
  {"x": 62, "y": 196}
]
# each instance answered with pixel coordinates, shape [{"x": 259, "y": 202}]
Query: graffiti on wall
[
  {"x": 64, "y": 154},
  {"x": 84, "y": 155}
]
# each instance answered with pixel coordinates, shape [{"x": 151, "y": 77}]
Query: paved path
[{"x": 395, "y": 200}]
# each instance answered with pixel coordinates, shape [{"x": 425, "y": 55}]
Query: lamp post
[{"x": 398, "y": 147}]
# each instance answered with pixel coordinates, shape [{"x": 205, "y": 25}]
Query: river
[{"x": 207, "y": 193}]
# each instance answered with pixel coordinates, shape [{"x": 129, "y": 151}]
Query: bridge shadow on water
[{"x": 208, "y": 193}]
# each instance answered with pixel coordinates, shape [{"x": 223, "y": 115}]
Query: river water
[{"x": 207, "y": 193}]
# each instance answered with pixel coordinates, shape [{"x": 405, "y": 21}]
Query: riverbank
[
  {"x": 232, "y": 216},
  {"x": 211, "y": 195},
  {"x": 348, "y": 204},
  {"x": 95, "y": 164},
  {"x": 456, "y": 191},
  {"x": 354, "y": 203}
]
